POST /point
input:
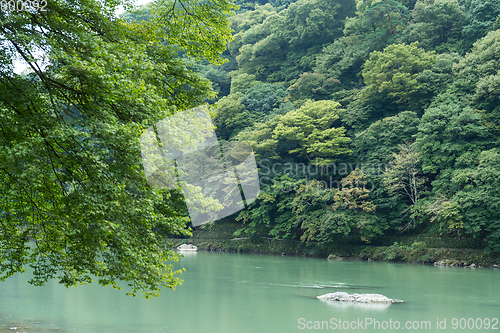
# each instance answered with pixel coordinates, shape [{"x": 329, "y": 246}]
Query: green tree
[
  {"x": 70, "y": 166},
  {"x": 142, "y": 13},
  {"x": 230, "y": 116},
  {"x": 379, "y": 22},
  {"x": 449, "y": 132},
  {"x": 343, "y": 60},
  {"x": 478, "y": 79},
  {"x": 262, "y": 98},
  {"x": 308, "y": 132},
  {"x": 313, "y": 86},
  {"x": 481, "y": 16},
  {"x": 271, "y": 214},
  {"x": 436, "y": 25},
  {"x": 374, "y": 148},
  {"x": 284, "y": 44},
  {"x": 477, "y": 201},
  {"x": 325, "y": 213},
  {"x": 242, "y": 82},
  {"x": 391, "y": 76}
]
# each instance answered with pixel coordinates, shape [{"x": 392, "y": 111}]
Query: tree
[
  {"x": 313, "y": 86},
  {"x": 436, "y": 25},
  {"x": 402, "y": 176},
  {"x": 481, "y": 16},
  {"x": 449, "y": 132},
  {"x": 477, "y": 202},
  {"x": 230, "y": 116},
  {"x": 308, "y": 132},
  {"x": 325, "y": 213},
  {"x": 70, "y": 167},
  {"x": 237, "y": 111},
  {"x": 343, "y": 60},
  {"x": 379, "y": 22},
  {"x": 478, "y": 79},
  {"x": 284, "y": 44},
  {"x": 375, "y": 148},
  {"x": 262, "y": 98},
  {"x": 392, "y": 76}
]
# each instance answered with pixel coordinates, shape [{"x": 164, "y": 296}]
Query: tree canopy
[{"x": 70, "y": 163}]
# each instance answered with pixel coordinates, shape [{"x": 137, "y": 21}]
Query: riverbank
[{"x": 414, "y": 249}]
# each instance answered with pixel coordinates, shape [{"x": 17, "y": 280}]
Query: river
[{"x": 250, "y": 293}]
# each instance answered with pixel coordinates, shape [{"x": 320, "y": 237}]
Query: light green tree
[
  {"x": 309, "y": 131},
  {"x": 403, "y": 177},
  {"x": 392, "y": 76}
]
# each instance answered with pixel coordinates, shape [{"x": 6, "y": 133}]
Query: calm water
[{"x": 238, "y": 293}]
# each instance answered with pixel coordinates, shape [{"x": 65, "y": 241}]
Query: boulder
[
  {"x": 357, "y": 298},
  {"x": 187, "y": 247}
]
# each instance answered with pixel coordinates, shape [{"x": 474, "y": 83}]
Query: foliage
[
  {"x": 242, "y": 82},
  {"x": 400, "y": 71},
  {"x": 481, "y": 16},
  {"x": 379, "y": 22},
  {"x": 202, "y": 30},
  {"x": 436, "y": 25},
  {"x": 313, "y": 86},
  {"x": 449, "y": 134},
  {"x": 230, "y": 117},
  {"x": 478, "y": 199},
  {"x": 308, "y": 131},
  {"x": 237, "y": 111},
  {"x": 342, "y": 60},
  {"x": 263, "y": 98},
  {"x": 271, "y": 213},
  {"x": 70, "y": 167},
  {"x": 402, "y": 176},
  {"x": 478, "y": 73},
  {"x": 139, "y": 14},
  {"x": 325, "y": 212},
  {"x": 284, "y": 44},
  {"x": 392, "y": 76}
]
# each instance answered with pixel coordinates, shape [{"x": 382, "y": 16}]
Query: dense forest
[{"x": 367, "y": 118}]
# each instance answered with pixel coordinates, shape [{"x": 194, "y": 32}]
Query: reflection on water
[
  {"x": 358, "y": 306},
  {"x": 187, "y": 253},
  {"x": 24, "y": 326}
]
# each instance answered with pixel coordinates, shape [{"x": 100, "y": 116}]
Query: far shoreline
[{"x": 219, "y": 237}]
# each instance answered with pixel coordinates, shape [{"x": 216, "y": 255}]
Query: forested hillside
[{"x": 367, "y": 117}]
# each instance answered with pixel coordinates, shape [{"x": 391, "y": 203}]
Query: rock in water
[
  {"x": 358, "y": 298},
  {"x": 187, "y": 247}
]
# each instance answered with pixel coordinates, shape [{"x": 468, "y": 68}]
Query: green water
[{"x": 239, "y": 293}]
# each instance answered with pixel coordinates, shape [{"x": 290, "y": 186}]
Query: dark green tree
[{"x": 437, "y": 25}]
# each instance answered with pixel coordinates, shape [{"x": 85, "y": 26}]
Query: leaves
[
  {"x": 392, "y": 75},
  {"x": 71, "y": 174}
]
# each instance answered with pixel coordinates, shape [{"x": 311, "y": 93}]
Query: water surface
[{"x": 240, "y": 293}]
